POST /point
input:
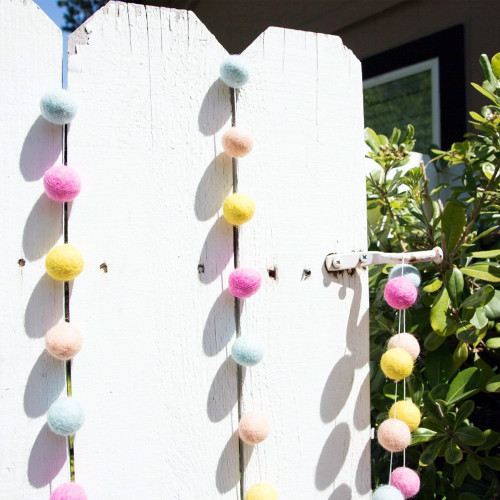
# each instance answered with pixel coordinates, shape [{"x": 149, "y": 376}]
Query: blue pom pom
[
  {"x": 58, "y": 106},
  {"x": 234, "y": 71},
  {"x": 387, "y": 492},
  {"x": 247, "y": 351},
  {"x": 65, "y": 416},
  {"x": 408, "y": 271}
]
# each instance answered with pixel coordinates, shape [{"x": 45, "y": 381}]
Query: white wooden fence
[{"x": 155, "y": 374}]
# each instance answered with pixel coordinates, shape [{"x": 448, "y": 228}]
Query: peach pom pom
[
  {"x": 405, "y": 341},
  {"x": 63, "y": 341},
  {"x": 237, "y": 142},
  {"x": 253, "y": 428},
  {"x": 394, "y": 435}
]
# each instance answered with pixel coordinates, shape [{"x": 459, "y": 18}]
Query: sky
[{"x": 56, "y": 14}]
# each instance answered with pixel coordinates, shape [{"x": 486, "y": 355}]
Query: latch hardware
[{"x": 343, "y": 261}]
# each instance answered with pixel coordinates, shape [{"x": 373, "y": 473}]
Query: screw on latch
[
  {"x": 364, "y": 257},
  {"x": 337, "y": 262}
]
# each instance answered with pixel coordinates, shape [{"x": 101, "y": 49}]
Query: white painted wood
[
  {"x": 32, "y": 458},
  {"x": 306, "y": 175},
  {"x": 154, "y": 374}
]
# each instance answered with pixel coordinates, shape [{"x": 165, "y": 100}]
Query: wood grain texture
[
  {"x": 32, "y": 459},
  {"x": 154, "y": 373},
  {"x": 305, "y": 173}
]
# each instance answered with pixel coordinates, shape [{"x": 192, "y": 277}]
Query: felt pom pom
[
  {"x": 63, "y": 341},
  {"x": 65, "y": 416},
  {"x": 244, "y": 282},
  {"x": 396, "y": 363},
  {"x": 247, "y": 351},
  {"x": 400, "y": 293},
  {"x": 237, "y": 142},
  {"x": 69, "y": 491},
  {"x": 61, "y": 183},
  {"x": 387, "y": 492},
  {"x": 407, "y": 412},
  {"x": 406, "y": 481},
  {"x": 262, "y": 491},
  {"x": 394, "y": 435},
  {"x": 238, "y": 209},
  {"x": 405, "y": 341},
  {"x": 64, "y": 262},
  {"x": 234, "y": 71},
  {"x": 409, "y": 272},
  {"x": 58, "y": 106},
  {"x": 253, "y": 428}
]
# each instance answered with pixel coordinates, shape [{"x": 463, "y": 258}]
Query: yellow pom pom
[
  {"x": 397, "y": 363},
  {"x": 64, "y": 262},
  {"x": 238, "y": 209},
  {"x": 407, "y": 412},
  {"x": 262, "y": 491}
]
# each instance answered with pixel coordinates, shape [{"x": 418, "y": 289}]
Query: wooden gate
[{"x": 161, "y": 391}]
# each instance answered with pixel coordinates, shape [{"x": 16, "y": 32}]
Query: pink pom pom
[
  {"x": 406, "y": 481},
  {"x": 244, "y": 282},
  {"x": 61, "y": 183},
  {"x": 70, "y": 491},
  {"x": 400, "y": 293},
  {"x": 394, "y": 435},
  {"x": 405, "y": 341},
  {"x": 253, "y": 428}
]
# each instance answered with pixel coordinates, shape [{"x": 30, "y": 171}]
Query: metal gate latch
[{"x": 343, "y": 261}]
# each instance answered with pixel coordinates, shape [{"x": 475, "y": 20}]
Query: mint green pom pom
[
  {"x": 65, "y": 416},
  {"x": 58, "y": 106},
  {"x": 247, "y": 351},
  {"x": 234, "y": 71}
]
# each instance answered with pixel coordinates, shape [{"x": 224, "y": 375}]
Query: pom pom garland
[
  {"x": 262, "y": 491},
  {"x": 394, "y": 435},
  {"x": 387, "y": 492},
  {"x": 61, "y": 183},
  {"x": 237, "y": 142},
  {"x": 244, "y": 282},
  {"x": 247, "y": 351},
  {"x": 408, "y": 271},
  {"x": 406, "y": 481},
  {"x": 238, "y": 209},
  {"x": 400, "y": 293},
  {"x": 253, "y": 428},
  {"x": 69, "y": 491},
  {"x": 63, "y": 341},
  {"x": 65, "y": 416},
  {"x": 58, "y": 106},
  {"x": 396, "y": 363},
  {"x": 407, "y": 412},
  {"x": 405, "y": 341},
  {"x": 64, "y": 262},
  {"x": 234, "y": 71}
]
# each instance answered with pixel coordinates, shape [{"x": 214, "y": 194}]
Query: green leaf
[
  {"x": 453, "y": 453},
  {"x": 465, "y": 410},
  {"x": 441, "y": 323},
  {"x": 431, "y": 452},
  {"x": 467, "y": 333},
  {"x": 488, "y": 271},
  {"x": 454, "y": 285},
  {"x": 396, "y": 134},
  {"x": 480, "y": 297},
  {"x": 433, "y": 341},
  {"x": 460, "y": 354},
  {"x": 495, "y": 65},
  {"x": 492, "y": 440},
  {"x": 471, "y": 436},
  {"x": 487, "y": 94},
  {"x": 492, "y": 308},
  {"x": 488, "y": 71},
  {"x": 441, "y": 390},
  {"x": 473, "y": 467},
  {"x": 487, "y": 254},
  {"x": 452, "y": 224},
  {"x": 492, "y": 462},
  {"x": 484, "y": 233},
  {"x": 459, "y": 474},
  {"x": 438, "y": 366},
  {"x": 493, "y": 384},
  {"x": 422, "y": 435},
  {"x": 488, "y": 171},
  {"x": 479, "y": 320},
  {"x": 371, "y": 139},
  {"x": 433, "y": 286},
  {"x": 493, "y": 343},
  {"x": 463, "y": 385},
  {"x": 430, "y": 405}
]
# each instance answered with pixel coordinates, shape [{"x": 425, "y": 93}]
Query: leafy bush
[{"x": 456, "y": 380}]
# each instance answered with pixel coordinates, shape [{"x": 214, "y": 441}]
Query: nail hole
[
  {"x": 201, "y": 268},
  {"x": 307, "y": 273},
  {"x": 273, "y": 273},
  {"x": 104, "y": 267},
  {"x": 21, "y": 262}
]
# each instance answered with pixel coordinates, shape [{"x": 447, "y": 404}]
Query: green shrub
[{"x": 456, "y": 380}]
